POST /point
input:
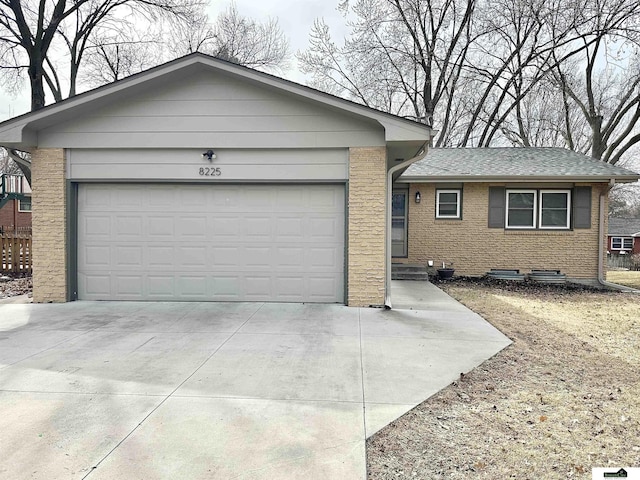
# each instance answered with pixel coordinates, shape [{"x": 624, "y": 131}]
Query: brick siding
[
  {"x": 474, "y": 249},
  {"x": 49, "y": 226},
  {"x": 366, "y": 243},
  {"x": 10, "y": 216}
]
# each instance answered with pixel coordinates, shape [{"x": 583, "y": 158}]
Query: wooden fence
[
  {"x": 15, "y": 250},
  {"x": 628, "y": 262}
]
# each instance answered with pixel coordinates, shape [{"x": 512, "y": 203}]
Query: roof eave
[{"x": 518, "y": 179}]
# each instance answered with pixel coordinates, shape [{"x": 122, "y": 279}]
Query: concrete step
[
  {"x": 423, "y": 276},
  {"x": 401, "y": 271}
]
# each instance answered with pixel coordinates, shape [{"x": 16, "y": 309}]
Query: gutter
[
  {"x": 387, "y": 251},
  {"x": 516, "y": 179},
  {"x": 601, "y": 235}
]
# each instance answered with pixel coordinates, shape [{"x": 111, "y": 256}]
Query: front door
[{"x": 399, "y": 223}]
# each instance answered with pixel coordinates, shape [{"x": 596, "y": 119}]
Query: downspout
[
  {"x": 604, "y": 193},
  {"x": 601, "y": 233},
  {"x": 387, "y": 274}
]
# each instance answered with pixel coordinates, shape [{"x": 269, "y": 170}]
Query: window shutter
[
  {"x": 582, "y": 207},
  {"x": 497, "y": 201}
]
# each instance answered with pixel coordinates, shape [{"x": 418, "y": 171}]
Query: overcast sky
[{"x": 294, "y": 16}]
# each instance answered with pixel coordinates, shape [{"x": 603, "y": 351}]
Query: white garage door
[{"x": 281, "y": 243}]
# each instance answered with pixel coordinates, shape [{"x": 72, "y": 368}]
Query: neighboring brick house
[
  {"x": 507, "y": 208},
  {"x": 201, "y": 180},
  {"x": 623, "y": 236},
  {"x": 15, "y": 203}
]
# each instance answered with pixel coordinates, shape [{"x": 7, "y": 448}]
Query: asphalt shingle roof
[
  {"x": 491, "y": 163},
  {"x": 624, "y": 227}
]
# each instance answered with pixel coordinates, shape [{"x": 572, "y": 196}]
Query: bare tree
[
  {"x": 624, "y": 201},
  {"x": 32, "y": 32},
  {"x": 6, "y": 164},
  {"x": 114, "y": 56},
  {"x": 486, "y": 71},
  {"x": 403, "y": 56},
  {"x": 236, "y": 38}
]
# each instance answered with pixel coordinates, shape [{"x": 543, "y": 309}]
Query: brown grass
[
  {"x": 624, "y": 277},
  {"x": 563, "y": 398}
]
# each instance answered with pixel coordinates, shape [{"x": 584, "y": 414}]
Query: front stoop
[{"x": 401, "y": 271}]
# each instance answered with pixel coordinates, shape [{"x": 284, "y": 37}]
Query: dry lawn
[
  {"x": 563, "y": 398},
  {"x": 624, "y": 277}
]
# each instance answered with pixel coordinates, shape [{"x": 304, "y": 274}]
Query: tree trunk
[
  {"x": 37, "y": 85},
  {"x": 598, "y": 146}
]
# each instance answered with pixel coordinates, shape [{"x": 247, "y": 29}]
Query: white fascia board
[{"x": 519, "y": 179}]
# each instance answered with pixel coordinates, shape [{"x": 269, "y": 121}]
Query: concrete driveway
[{"x": 110, "y": 390}]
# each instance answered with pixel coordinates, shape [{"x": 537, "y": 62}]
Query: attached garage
[
  {"x": 278, "y": 243},
  {"x": 202, "y": 180}
]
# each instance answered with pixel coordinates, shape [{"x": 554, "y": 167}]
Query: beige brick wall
[
  {"x": 366, "y": 242},
  {"x": 49, "y": 226},
  {"x": 474, "y": 249}
]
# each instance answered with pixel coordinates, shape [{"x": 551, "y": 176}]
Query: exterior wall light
[
  {"x": 418, "y": 197},
  {"x": 209, "y": 155}
]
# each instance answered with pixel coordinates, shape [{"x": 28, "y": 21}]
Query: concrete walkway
[{"x": 110, "y": 390}]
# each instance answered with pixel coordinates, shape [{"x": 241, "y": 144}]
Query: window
[
  {"x": 448, "y": 203},
  {"x": 621, "y": 243},
  {"x": 554, "y": 208},
  {"x": 24, "y": 205},
  {"x": 521, "y": 209},
  {"x": 545, "y": 209}
]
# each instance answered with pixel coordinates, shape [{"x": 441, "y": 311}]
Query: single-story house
[
  {"x": 506, "y": 208},
  {"x": 624, "y": 236},
  {"x": 15, "y": 203},
  {"x": 204, "y": 180}
]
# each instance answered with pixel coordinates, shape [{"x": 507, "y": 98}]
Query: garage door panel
[
  {"x": 129, "y": 286},
  {"x": 160, "y": 227},
  {"x": 321, "y": 289},
  {"x": 192, "y": 257},
  {"x": 129, "y": 227},
  {"x": 95, "y": 284},
  {"x": 258, "y": 288},
  {"x": 95, "y": 227},
  {"x": 95, "y": 256},
  {"x": 193, "y": 286},
  {"x": 192, "y": 228},
  {"x": 159, "y": 257},
  {"x": 224, "y": 227},
  {"x": 226, "y": 287},
  {"x": 214, "y": 242},
  {"x": 128, "y": 198},
  {"x": 160, "y": 286},
  {"x": 128, "y": 256}
]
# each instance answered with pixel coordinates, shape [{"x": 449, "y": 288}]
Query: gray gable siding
[{"x": 211, "y": 109}]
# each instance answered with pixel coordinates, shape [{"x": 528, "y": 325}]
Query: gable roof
[
  {"x": 624, "y": 227},
  {"x": 512, "y": 164},
  {"x": 21, "y": 131}
]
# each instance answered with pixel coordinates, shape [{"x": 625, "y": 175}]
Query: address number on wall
[{"x": 210, "y": 171}]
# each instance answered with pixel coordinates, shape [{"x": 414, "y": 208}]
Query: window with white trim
[
  {"x": 24, "y": 205},
  {"x": 621, "y": 243},
  {"x": 521, "y": 209},
  {"x": 543, "y": 209},
  {"x": 554, "y": 208},
  {"x": 448, "y": 203}
]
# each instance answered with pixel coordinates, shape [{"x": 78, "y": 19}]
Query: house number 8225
[{"x": 210, "y": 171}]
